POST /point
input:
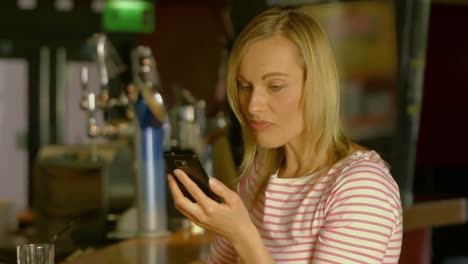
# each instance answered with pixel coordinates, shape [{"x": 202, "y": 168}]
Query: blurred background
[{"x": 93, "y": 91}]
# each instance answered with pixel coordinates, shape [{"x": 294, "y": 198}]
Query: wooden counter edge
[{"x": 435, "y": 214}]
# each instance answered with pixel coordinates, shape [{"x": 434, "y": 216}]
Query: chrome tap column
[
  {"x": 145, "y": 125},
  {"x": 153, "y": 131}
]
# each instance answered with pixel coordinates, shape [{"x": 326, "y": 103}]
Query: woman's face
[{"x": 270, "y": 82}]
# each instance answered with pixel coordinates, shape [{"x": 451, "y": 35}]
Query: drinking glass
[{"x": 35, "y": 254}]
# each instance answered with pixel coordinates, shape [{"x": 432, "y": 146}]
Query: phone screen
[{"x": 188, "y": 161}]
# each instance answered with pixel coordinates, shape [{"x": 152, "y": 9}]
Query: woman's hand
[{"x": 229, "y": 219}]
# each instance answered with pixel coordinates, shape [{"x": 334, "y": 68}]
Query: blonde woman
[{"x": 306, "y": 194}]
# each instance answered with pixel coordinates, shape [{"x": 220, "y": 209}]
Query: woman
[{"x": 306, "y": 193}]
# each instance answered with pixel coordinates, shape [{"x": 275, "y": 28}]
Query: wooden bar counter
[
  {"x": 177, "y": 248},
  {"x": 183, "y": 247}
]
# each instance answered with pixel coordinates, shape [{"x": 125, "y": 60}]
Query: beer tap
[
  {"x": 88, "y": 103},
  {"x": 91, "y": 103},
  {"x": 145, "y": 126}
]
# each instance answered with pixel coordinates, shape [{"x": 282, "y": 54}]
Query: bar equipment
[
  {"x": 189, "y": 124},
  {"x": 144, "y": 125},
  {"x": 152, "y": 136},
  {"x": 69, "y": 184}
]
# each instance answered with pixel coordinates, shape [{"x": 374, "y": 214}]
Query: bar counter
[
  {"x": 176, "y": 248},
  {"x": 183, "y": 247}
]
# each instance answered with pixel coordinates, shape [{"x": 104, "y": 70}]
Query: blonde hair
[{"x": 320, "y": 101}]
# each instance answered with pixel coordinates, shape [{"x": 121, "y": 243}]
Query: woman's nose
[{"x": 257, "y": 101}]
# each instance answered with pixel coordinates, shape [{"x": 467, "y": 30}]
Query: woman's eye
[
  {"x": 243, "y": 87},
  {"x": 276, "y": 87}
]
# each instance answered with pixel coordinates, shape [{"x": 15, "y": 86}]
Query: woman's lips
[{"x": 260, "y": 125}]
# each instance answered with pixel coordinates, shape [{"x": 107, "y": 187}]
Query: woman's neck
[{"x": 296, "y": 163}]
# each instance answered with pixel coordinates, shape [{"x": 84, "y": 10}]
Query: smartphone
[{"x": 188, "y": 161}]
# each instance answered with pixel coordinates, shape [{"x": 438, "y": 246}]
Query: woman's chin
[{"x": 268, "y": 143}]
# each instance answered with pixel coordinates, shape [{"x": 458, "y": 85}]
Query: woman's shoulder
[
  {"x": 360, "y": 159},
  {"x": 364, "y": 168},
  {"x": 362, "y": 184}
]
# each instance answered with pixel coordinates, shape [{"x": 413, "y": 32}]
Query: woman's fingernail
[{"x": 213, "y": 182}]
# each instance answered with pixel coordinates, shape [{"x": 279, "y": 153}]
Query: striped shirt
[{"x": 352, "y": 215}]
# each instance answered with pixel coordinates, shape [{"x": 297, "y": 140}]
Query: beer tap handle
[
  {"x": 84, "y": 78},
  {"x": 84, "y": 88},
  {"x": 93, "y": 129},
  {"x": 88, "y": 103}
]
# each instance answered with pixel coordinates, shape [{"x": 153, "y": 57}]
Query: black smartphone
[{"x": 188, "y": 161}]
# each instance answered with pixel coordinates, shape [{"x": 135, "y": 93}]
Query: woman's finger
[
  {"x": 199, "y": 196},
  {"x": 175, "y": 190},
  {"x": 222, "y": 191},
  {"x": 182, "y": 203}
]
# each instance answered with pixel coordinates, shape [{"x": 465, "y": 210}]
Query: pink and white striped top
[{"x": 353, "y": 215}]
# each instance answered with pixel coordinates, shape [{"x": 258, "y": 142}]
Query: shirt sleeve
[
  {"x": 221, "y": 252},
  {"x": 363, "y": 221}
]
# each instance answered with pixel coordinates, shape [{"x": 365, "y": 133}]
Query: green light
[{"x": 131, "y": 16}]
